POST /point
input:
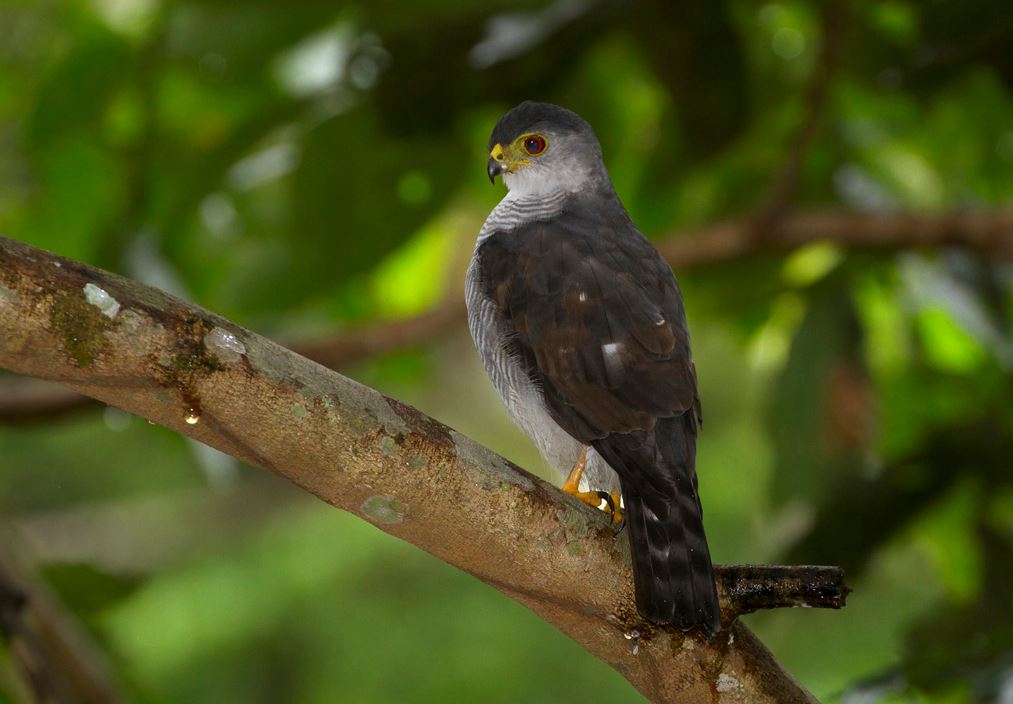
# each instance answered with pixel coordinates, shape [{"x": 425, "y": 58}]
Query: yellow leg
[
  {"x": 572, "y": 483},
  {"x": 592, "y": 498}
]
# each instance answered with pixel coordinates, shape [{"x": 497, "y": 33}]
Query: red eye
[{"x": 534, "y": 145}]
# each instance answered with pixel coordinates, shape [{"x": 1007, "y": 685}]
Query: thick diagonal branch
[{"x": 203, "y": 376}]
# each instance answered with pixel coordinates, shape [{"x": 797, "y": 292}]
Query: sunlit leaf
[{"x": 946, "y": 344}]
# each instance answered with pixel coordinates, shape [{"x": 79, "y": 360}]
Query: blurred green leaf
[
  {"x": 86, "y": 590},
  {"x": 75, "y": 94},
  {"x": 345, "y": 160},
  {"x": 800, "y": 418}
]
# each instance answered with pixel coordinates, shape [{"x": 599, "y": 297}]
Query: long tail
[{"x": 672, "y": 571}]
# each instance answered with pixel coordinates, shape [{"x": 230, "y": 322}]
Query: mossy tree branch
[{"x": 203, "y": 376}]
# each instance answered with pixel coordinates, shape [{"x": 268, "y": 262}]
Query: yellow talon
[{"x": 592, "y": 498}]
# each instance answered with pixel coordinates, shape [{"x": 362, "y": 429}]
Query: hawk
[{"x": 582, "y": 330}]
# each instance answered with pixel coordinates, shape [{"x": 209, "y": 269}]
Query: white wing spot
[
  {"x": 613, "y": 362},
  {"x": 582, "y": 296}
]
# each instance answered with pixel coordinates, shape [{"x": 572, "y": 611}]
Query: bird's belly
[{"x": 521, "y": 397}]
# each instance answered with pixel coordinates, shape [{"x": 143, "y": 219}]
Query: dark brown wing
[{"x": 598, "y": 321}]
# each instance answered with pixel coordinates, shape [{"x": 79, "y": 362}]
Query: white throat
[
  {"x": 535, "y": 182},
  {"x": 538, "y": 192}
]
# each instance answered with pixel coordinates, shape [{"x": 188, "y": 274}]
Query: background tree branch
[
  {"x": 201, "y": 375},
  {"x": 989, "y": 233},
  {"x": 56, "y": 660}
]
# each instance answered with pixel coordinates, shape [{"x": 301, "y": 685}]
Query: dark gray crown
[{"x": 534, "y": 117}]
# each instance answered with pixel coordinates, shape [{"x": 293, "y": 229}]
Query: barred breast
[{"x": 490, "y": 329}]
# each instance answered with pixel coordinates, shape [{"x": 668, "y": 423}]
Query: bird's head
[{"x": 540, "y": 148}]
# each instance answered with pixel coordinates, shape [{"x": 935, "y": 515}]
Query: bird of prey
[{"x": 582, "y": 330}]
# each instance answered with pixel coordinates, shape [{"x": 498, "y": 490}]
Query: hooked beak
[
  {"x": 497, "y": 163},
  {"x": 494, "y": 169}
]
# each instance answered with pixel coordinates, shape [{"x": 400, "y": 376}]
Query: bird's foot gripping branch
[{"x": 203, "y": 376}]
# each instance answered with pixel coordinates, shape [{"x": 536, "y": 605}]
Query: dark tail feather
[{"x": 672, "y": 570}]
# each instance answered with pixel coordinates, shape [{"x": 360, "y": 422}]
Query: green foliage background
[{"x": 303, "y": 168}]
